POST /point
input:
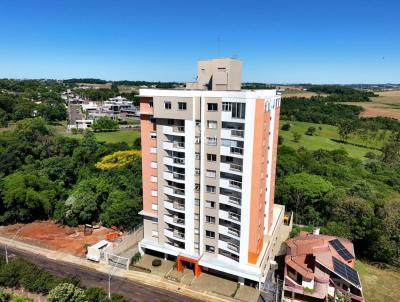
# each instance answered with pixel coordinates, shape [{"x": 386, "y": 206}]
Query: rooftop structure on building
[
  {"x": 318, "y": 266},
  {"x": 208, "y": 164}
]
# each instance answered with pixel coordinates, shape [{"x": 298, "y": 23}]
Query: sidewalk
[{"x": 144, "y": 278}]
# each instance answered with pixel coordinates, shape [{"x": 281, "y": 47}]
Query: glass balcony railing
[
  {"x": 179, "y": 220},
  {"x": 236, "y": 150},
  {"x": 234, "y": 232},
  {"x": 234, "y": 216},
  {"x": 179, "y": 145},
  {"x": 236, "y": 167},
  {"x": 179, "y": 129},
  {"x": 178, "y": 206},
  {"x": 235, "y": 184},
  {"x": 237, "y": 132}
]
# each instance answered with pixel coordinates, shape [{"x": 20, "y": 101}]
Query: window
[
  {"x": 211, "y": 173},
  {"x": 197, "y": 202},
  {"x": 170, "y": 122},
  {"x": 154, "y": 193},
  {"x": 154, "y": 233},
  {"x": 196, "y": 187},
  {"x": 210, "y": 248},
  {"x": 226, "y": 106},
  {"x": 211, "y": 157},
  {"x": 153, "y": 164},
  {"x": 212, "y": 107},
  {"x": 210, "y": 234},
  {"x": 196, "y": 245},
  {"x": 167, "y": 105},
  {"x": 154, "y": 206},
  {"x": 182, "y": 105},
  {"x": 153, "y": 150},
  {"x": 210, "y": 189},
  {"x": 196, "y": 231},
  {"x": 151, "y": 104},
  {"x": 197, "y": 140},
  {"x": 196, "y": 216},
  {"x": 153, "y": 135},
  {"x": 153, "y": 178},
  {"x": 210, "y": 219},
  {"x": 198, "y": 123},
  {"x": 238, "y": 110},
  {"x": 211, "y": 141},
  {"x": 212, "y": 124},
  {"x": 197, "y": 155},
  {"x": 196, "y": 172},
  {"x": 210, "y": 204}
]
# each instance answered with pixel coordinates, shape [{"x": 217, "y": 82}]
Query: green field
[
  {"x": 125, "y": 135},
  {"x": 379, "y": 285},
  {"x": 322, "y": 139}
]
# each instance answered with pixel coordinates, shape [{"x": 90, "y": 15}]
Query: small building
[
  {"x": 319, "y": 266},
  {"x": 95, "y": 252}
]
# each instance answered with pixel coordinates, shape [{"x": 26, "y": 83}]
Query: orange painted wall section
[
  {"x": 273, "y": 171},
  {"x": 147, "y": 171},
  {"x": 257, "y": 202}
]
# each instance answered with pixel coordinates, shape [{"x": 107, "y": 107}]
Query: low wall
[{"x": 126, "y": 242}]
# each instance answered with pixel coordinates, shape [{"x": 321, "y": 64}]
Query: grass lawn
[
  {"x": 379, "y": 285},
  {"x": 322, "y": 139},
  {"x": 123, "y": 135}
]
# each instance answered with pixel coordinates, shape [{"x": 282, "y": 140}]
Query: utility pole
[
  {"x": 112, "y": 270},
  {"x": 5, "y": 246}
]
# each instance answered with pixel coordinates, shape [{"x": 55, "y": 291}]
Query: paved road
[
  {"x": 136, "y": 292},
  {"x": 74, "y": 113}
]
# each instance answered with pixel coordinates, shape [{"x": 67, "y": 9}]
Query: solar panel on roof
[
  {"x": 340, "y": 248},
  {"x": 346, "y": 272}
]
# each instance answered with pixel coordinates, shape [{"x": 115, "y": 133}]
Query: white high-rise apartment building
[{"x": 209, "y": 157}]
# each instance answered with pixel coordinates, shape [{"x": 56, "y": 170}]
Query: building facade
[{"x": 208, "y": 161}]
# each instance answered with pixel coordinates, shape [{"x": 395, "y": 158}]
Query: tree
[
  {"x": 66, "y": 292},
  {"x": 285, "y": 127},
  {"x": 52, "y": 110},
  {"x": 27, "y": 196},
  {"x": 345, "y": 128},
  {"x": 104, "y": 123},
  {"x": 95, "y": 294},
  {"x": 310, "y": 131},
  {"x": 32, "y": 129},
  {"x": 23, "y": 109},
  {"x": 121, "y": 210},
  {"x": 296, "y": 137},
  {"x": 301, "y": 189},
  {"x": 3, "y": 118},
  {"x": 118, "y": 159}
]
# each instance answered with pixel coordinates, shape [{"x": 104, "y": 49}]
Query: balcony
[
  {"x": 174, "y": 130},
  {"x": 230, "y": 184},
  {"x": 174, "y": 191},
  {"x": 174, "y": 234},
  {"x": 229, "y": 231},
  {"x": 230, "y": 200},
  {"x": 174, "y": 161},
  {"x": 229, "y": 246},
  {"x": 174, "y": 206},
  {"x": 229, "y": 216},
  {"x": 232, "y": 151},
  {"x": 231, "y": 168},
  {"x": 174, "y": 146},
  {"x": 174, "y": 220},
  {"x": 174, "y": 176}
]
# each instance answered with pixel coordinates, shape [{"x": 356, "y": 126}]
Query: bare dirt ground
[
  {"x": 48, "y": 234},
  {"x": 105, "y": 85},
  {"x": 386, "y": 105}
]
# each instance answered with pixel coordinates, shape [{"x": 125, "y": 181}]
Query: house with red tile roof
[{"x": 318, "y": 266}]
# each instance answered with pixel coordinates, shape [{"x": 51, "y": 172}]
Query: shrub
[
  {"x": 370, "y": 155},
  {"x": 66, "y": 292},
  {"x": 95, "y": 294},
  {"x": 310, "y": 131},
  {"x": 280, "y": 140},
  {"x": 74, "y": 131},
  {"x": 135, "y": 258},
  {"x": 156, "y": 262},
  {"x": 286, "y": 127}
]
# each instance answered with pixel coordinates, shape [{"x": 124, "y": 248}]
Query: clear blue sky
[{"x": 286, "y": 41}]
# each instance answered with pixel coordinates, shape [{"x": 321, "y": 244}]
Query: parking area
[{"x": 204, "y": 283}]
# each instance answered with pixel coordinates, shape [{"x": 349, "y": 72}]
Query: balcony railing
[
  {"x": 236, "y": 150},
  {"x": 235, "y": 184},
  {"x": 179, "y": 161},
  {"x": 234, "y": 232},
  {"x": 178, "y": 206},
  {"x": 235, "y": 200},
  {"x": 233, "y": 247},
  {"x": 179, "y": 176},
  {"x": 179, "y": 145},
  {"x": 234, "y": 216},
  {"x": 179, "y": 235},
  {"x": 179, "y": 220},
  {"x": 235, "y": 167},
  {"x": 237, "y": 132},
  {"x": 177, "y": 191},
  {"x": 179, "y": 129}
]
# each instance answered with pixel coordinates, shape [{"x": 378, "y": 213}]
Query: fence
[{"x": 126, "y": 242}]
